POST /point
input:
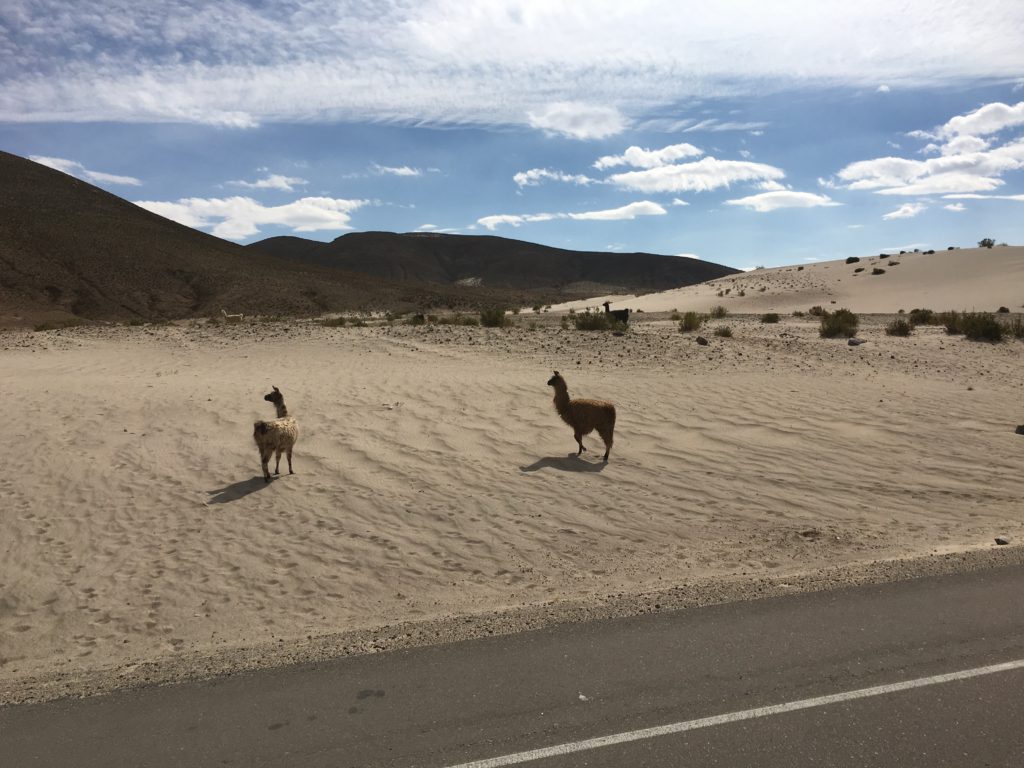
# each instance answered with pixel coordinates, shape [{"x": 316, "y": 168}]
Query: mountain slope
[
  {"x": 495, "y": 262},
  {"x": 69, "y": 249}
]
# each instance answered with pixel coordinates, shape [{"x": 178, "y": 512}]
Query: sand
[
  {"x": 435, "y": 494},
  {"x": 972, "y": 279}
]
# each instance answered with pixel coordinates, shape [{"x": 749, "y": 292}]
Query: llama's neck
[
  {"x": 282, "y": 409},
  {"x": 562, "y": 403}
]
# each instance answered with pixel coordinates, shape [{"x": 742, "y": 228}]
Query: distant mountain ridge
[{"x": 494, "y": 262}]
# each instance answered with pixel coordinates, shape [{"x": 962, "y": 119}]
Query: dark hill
[
  {"x": 495, "y": 262},
  {"x": 69, "y": 249}
]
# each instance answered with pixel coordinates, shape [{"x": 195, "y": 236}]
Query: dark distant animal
[
  {"x": 619, "y": 315},
  {"x": 584, "y": 416},
  {"x": 276, "y": 436}
]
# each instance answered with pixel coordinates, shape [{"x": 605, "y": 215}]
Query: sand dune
[
  {"x": 978, "y": 279},
  {"x": 434, "y": 479}
]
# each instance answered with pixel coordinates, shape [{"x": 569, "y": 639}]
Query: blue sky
[{"x": 740, "y": 132}]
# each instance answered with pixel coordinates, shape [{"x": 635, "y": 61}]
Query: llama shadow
[
  {"x": 238, "y": 490},
  {"x": 570, "y": 463}
]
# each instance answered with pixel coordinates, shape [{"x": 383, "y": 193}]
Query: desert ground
[{"x": 437, "y": 494}]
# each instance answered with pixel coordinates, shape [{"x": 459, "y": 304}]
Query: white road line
[{"x": 733, "y": 717}]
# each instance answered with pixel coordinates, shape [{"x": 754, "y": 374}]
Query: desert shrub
[
  {"x": 1015, "y": 328},
  {"x": 416, "y": 319},
  {"x": 718, "y": 312},
  {"x": 986, "y": 242},
  {"x": 357, "y": 322},
  {"x": 334, "y": 322},
  {"x": 675, "y": 315},
  {"x": 817, "y": 311},
  {"x": 894, "y": 263},
  {"x": 721, "y": 294},
  {"x": 877, "y": 271},
  {"x": 691, "y": 321},
  {"x": 800, "y": 268},
  {"x": 899, "y": 327},
  {"x": 858, "y": 269},
  {"x": 596, "y": 321},
  {"x": 981, "y": 326},
  {"x": 494, "y": 317},
  {"x": 852, "y": 259},
  {"x": 742, "y": 293},
  {"x": 1003, "y": 309},
  {"x": 923, "y": 317},
  {"x": 842, "y": 322},
  {"x": 929, "y": 252},
  {"x": 798, "y": 313},
  {"x": 770, "y": 317},
  {"x": 724, "y": 331},
  {"x": 458, "y": 319}
]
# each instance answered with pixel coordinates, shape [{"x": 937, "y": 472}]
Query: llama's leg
[
  {"x": 290, "y": 472},
  {"x": 277, "y": 466},
  {"x": 606, "y": 435},
  {"x": 579, "y": 439},
  {"x": 265, "y": 463}
]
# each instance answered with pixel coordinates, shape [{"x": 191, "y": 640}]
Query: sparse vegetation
[
  {"x": 597, "y": 321},
  {"x": 976, "y": 326},
  {"x": 494, "y": 317},
  {"x": 690, "y": 321},
  {"x": 770, "y": 317},
  {"x": 899, "y": 327},
  {"x": 877, "y": 271},
  {"x": 334, "y": 322},
  {"x": 718, "y": 312},
  {"x": 458, "y": 319},
  {"x": 1003, "y": 309},
  {"x": 817, "y": 311},
  {"x": 799, "y": 313},
  {"x": 923, "y": 317},
  {"x": 858, "y": 269},
  {"x": 724, "y": 331},
  {"x": 986, "y": 242},
  {"x": 842, "y": 322},
  {"x": 852, "y": 259},
  {"x": 1015, "y": 328}
]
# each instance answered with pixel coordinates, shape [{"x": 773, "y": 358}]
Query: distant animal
[
  {"x": 276, "y": 436},
  {"x": 584, "y": 416},
  {"x": 621, "y": 315},
  {"x": 231, "y": 318}
]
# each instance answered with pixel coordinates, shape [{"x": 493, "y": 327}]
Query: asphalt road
[{"x": 449, "y": 705}]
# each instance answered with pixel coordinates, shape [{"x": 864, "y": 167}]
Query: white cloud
[
  {"x": 984, "y": 197},
  {"x": 535, "y": 176},
  {"x": 678, "y": 202},
  {"x": 773, "y": 201},
  {"x": 958, "y": 207},
  {"x": 688, "y": 256},
  {"x": 579, "y": 121},
  {"x": 648, "y": 158},
  {"x": 404, "y": 170},
  {"x": 905, "y": 211},
  {"x": 489, "y": 63},
  {"x": 626, "y": 212},
  {"x": 714, "y": 125},
  {"x": 74, "y": 168},
  {"x": 703, "y": 175},
  {"x": 883, "y": 88},
  {"x": 272, "y": 181},
  {"x": 985, "y": 120},
  {"x": 236, "y": 218}
]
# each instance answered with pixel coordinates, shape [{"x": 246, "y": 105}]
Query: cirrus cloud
[
  {"x": 701, "y": 176},
  {"x": 624, "y": 213},
  {"x": 76, "y": 169},
  {"x": 773, "y": 201}
]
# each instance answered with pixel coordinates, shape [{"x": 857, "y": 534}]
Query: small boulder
[
  {"x": 1020, "y": 430},
  {"x": 855, "y": 342},
  {"x": 702, "y": 341},
  {"x": 1003, "y": 540}
]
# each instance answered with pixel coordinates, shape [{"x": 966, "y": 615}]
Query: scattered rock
[
  {"x": 1020, "y": 430},
  {"x": 855, "y": 342},
  {"x": 1002, "y": 540},
  {"x": 702, "y": 341}
]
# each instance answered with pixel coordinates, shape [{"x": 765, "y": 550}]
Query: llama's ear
[
  {"x": 556, "y": 373},
  {"x": 276, "y": 389}
]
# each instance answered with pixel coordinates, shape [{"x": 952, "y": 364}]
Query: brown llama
[
  {"x": 277, "y": 436},
  {"x": 616, "y": 315},
  {"x": 583, "y": 415}
]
